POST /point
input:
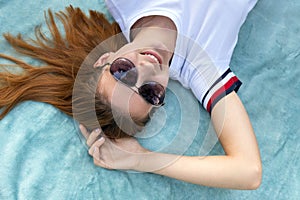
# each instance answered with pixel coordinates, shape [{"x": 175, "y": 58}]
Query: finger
[
  {"x": 96, "y": 144},
  {"x": 96, "y": 154},
  {"x": 95, "y": 134},
  {"x": 84, "y": 131}
]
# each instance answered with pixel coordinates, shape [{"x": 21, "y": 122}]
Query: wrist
[
  {"x": 141, "y": 160},
  {"x": 155, "y": 161}
]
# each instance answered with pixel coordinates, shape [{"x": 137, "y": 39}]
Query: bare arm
[{"x": 239, "y": 168}]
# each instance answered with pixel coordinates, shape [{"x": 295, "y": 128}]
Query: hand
[{"x": 125, "y": 153}]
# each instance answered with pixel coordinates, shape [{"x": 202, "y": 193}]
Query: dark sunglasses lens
[
  {"x": 152, "y": 92},
  {"x": 124, "y": 70}
]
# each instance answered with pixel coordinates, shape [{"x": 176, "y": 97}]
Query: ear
[{"x": 103, "y": 59}]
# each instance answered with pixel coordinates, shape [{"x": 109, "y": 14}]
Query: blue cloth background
[{"x": 43, "y": 157}]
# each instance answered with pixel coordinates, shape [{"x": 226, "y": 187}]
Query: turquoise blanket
[{"x": 42, "y": 155}]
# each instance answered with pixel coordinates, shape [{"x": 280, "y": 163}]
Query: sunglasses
[{"x": 123, "y": 70}]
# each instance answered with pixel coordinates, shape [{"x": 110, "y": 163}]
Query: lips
[{"x": 155, "y": 57}]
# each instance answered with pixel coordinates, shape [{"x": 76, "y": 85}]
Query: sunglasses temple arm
[{"x": 102, "y": 66}]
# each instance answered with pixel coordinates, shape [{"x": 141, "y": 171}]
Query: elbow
[
  {"x": 253, "y": 177},
  {"x": 256, "y": 179}
]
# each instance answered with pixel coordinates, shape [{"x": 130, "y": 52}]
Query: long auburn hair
[{"x": 62, "y": 56}]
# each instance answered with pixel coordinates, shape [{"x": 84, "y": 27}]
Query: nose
[
  {"x": 146, "y": 67},
  {"x": 147, "y": 70}
]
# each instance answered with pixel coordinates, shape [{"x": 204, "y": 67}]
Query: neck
[
  {"x": 154, "y": 22},
  {"x": 153, "y": 30}
]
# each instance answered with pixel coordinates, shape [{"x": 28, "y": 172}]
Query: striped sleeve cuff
[{"x": 224, "y": 85}]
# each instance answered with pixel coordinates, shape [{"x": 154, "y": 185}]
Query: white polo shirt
[{"x": 207, "y": 35}]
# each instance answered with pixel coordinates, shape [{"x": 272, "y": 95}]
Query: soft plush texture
[{"x": 42, "y": 155}]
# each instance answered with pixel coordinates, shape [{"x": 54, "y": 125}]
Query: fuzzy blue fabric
[{"x": 42, "y": 155}]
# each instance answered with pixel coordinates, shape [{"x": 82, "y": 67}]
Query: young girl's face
[{"x": 151, "y": 64}]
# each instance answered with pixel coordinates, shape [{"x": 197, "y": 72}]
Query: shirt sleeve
[{"x": 222, "y": 86}]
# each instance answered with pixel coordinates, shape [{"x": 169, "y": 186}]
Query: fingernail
[{"x": 97, "y": 130}]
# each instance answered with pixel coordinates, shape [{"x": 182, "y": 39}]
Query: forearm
[
  {"x": 213, "y": 171},
  {"x": 239, "y": 168}
]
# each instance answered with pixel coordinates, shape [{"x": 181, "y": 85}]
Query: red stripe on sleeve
[{"x": 220, "y": 91}]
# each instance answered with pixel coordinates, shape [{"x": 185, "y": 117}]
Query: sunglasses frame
[{"x": 134, "y": 88}]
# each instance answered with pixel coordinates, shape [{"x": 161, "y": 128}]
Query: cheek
[
  {"x": 138, "y": 108},
  {"x": 162, "y": 79},
  {"x": 163, "y": 76},
  {"x": 124, "y": 100}
]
